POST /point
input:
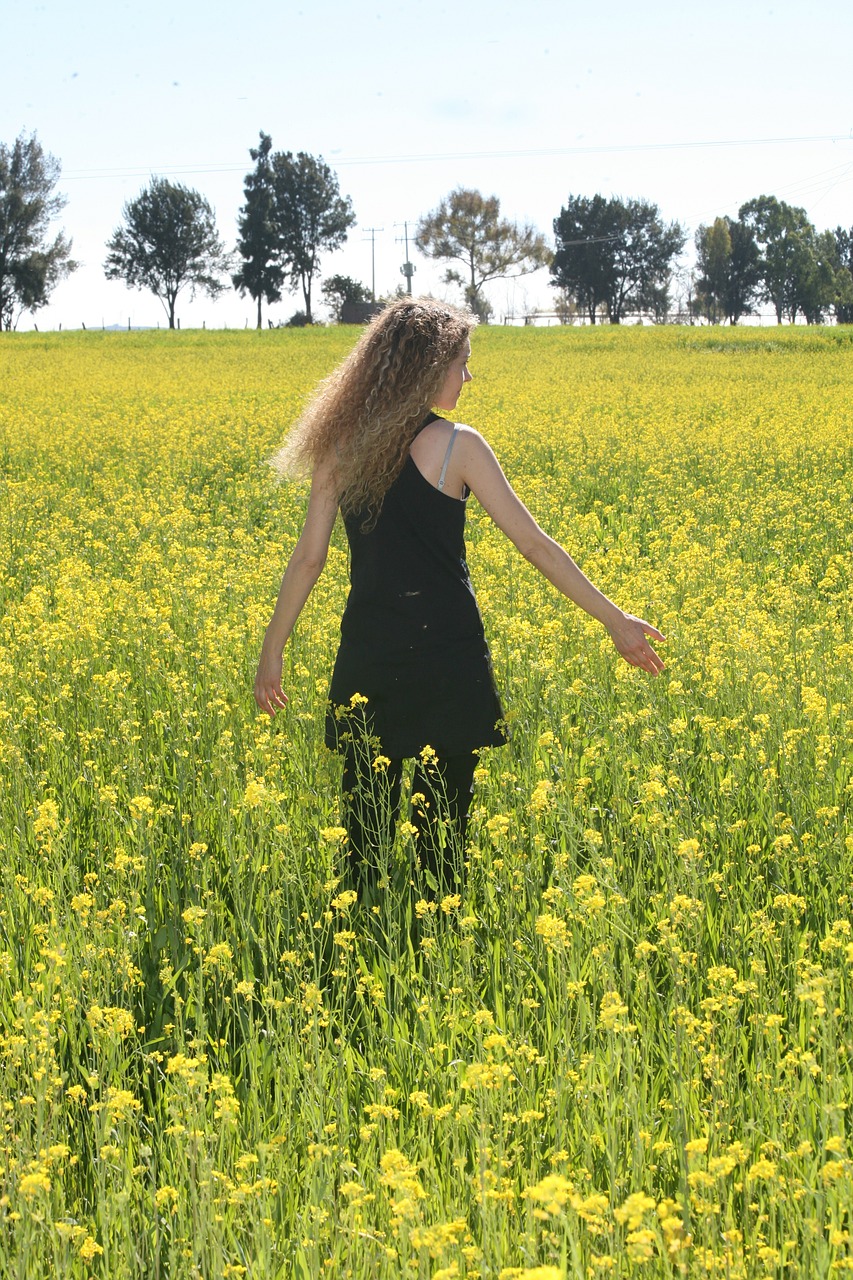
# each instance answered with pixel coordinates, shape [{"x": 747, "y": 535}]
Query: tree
[
  {"x": 744, "y": 276},
  {"x": 169, "y": 241},
  {"x": 338, "y": 290},
  {"x": 311, "y": 215},
  {"x": 584, "y": 265},
  {"x": 261, "y": 273},
  {"x": 30, "y": 265},
  {"x": 844, "y": 251},
  {"x": 787, "y": 243},
  {"x": 616, "y": 255},
  {"x": 467, "y": 228},
  {"x": 727, "y": 258},
  {"x": 821, "y": 279},
  {"x": 713, "y": 254}
]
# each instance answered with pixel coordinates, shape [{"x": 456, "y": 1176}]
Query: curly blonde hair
[{"x": 367, "y": 412}]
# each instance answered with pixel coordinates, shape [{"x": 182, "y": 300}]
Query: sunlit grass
[{"x": 625, "y": 1044}]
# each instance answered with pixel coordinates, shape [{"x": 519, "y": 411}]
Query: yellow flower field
[{"x": 625, "y": 1046}]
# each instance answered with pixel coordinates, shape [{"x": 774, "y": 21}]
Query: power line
[
  {"x": 802, "y": 187},
  {"x": 79, "y": 175}
]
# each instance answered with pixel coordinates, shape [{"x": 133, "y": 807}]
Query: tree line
[{"x": 612, "y": 258}]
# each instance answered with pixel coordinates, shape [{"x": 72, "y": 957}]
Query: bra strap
[{"x": 444, "y": 465}]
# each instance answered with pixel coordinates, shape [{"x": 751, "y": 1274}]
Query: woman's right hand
[
  {"x": 629, "y": 635},
  {"x": 268, "y": 691}
]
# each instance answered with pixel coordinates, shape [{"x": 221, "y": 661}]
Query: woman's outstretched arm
[
  {"x": 480, "y": 470},
  {"x": 303, "y": 569}
]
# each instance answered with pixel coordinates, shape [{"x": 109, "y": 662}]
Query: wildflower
[
  {"x": 552, "y": 1193},
  {"x": 540, "y": 798},
  {"x": 487, "y": 1075},
  {"x": 498, "y": 826},
  {"x": 640, "y": 1245},
  {"x": 32, "y": 1183},
  {"x": 612, "y": 1012},
  {"x": 141, "y": 807},
  {"x": 440, "y": 1236},
  {"x": 166, "y": 1197},
  {"x": 121, "y": 1104},
  {"x": 333, "y": 835},
  {"x": 256, "y": 793},
  {"x": 552, "y": 930},
  {"x": 46, "y": 823},
  {"x": 345, "y": 900},
  {"x": 763, "y": 1169},
  {"x": 312, "y": 1000},
  {"x": 219, "y": 956},
  {"x": 633, "y": 1210}
]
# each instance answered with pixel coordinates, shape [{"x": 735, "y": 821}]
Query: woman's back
[
  {"x": 412, "y": 640},
  {"x": 410, "y": 588}
]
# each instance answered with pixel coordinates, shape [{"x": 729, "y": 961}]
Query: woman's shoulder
[
  {"x": 452, "y": 450},
  {"x": 439, "y": 430}
]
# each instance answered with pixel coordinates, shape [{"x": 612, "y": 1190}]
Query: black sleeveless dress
[{"x": 412, "y": 640}]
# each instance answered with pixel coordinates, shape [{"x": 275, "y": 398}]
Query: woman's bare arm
[
  {"x": 303, "y": 569},
  {"x": 478, "y": 468}
]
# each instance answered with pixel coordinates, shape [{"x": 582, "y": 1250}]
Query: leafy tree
[
  {"x": 585, "y": 265},
  {"x": 615, "y": 255},
  {"x": 844, "y": 251},
  {"x": 261, "y": 273},
  {"x": 824, "y": 284},
  {"x": 168, "y": 242},
  {"x": 787, "y": 243},
  {"x": 727, "y": 258},
  {"x": 311, "y": 216},
  {"x": 467, "y": 228},
  {"x": 713, "y": 254},
  {"x": 30, "y": 265},
  {"x": 744, "y": 272},
  {"x": 338, "y": 290}
]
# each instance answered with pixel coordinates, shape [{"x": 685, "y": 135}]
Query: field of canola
[{"x": 625, "y": 1047}]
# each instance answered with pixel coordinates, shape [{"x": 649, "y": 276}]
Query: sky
[{"x": 695, "y": 107}]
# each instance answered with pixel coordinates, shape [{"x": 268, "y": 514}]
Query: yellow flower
[
  {"x": 762, "y": 1169},
  {"x": 611, "y": 1013},
  {"x": 344, "y": 900},
  {"x": 631, "y": 1213},
  {"x": 32, "y": 1183}
]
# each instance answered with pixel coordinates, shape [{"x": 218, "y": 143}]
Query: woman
[{"x": 413, "y": 677}]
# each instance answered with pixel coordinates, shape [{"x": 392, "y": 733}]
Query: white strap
[{"x": 450, "y": 445}]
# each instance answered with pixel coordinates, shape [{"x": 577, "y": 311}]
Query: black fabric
[{"x": 412, "y": 640}]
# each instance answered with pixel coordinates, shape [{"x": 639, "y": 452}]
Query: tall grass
[{"x": 625, "y": 1043}]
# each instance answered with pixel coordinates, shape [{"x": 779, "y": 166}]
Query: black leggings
[{"x": 441, "y": 798}]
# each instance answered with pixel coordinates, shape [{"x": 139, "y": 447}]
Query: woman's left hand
[{"x": 629, "y": 636}]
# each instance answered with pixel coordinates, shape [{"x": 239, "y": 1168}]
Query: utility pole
[
  {"x": 373, "y": 231},
  {"x": 407, "y": 268}
]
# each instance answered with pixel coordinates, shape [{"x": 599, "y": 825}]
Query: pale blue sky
[{"x": 530, "y": 102}]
